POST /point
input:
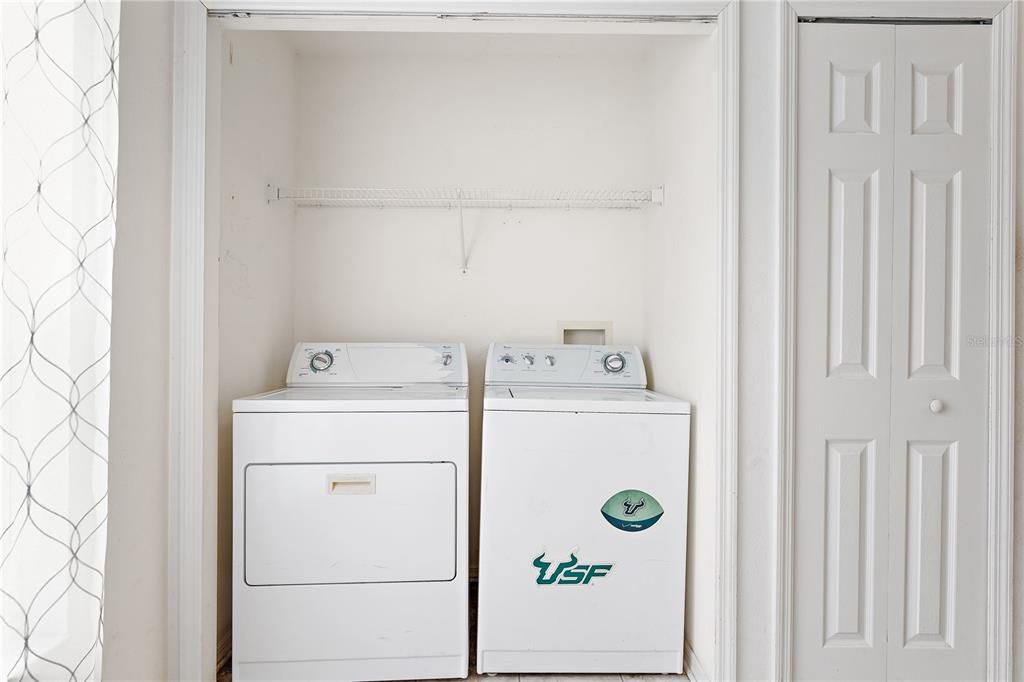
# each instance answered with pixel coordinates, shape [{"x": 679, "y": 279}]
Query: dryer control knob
[
  {"x": 614, "y": 363},
  {"x": 528, "y": 359},
  {"x": 321, "y": 361},
  {"x": 550, "y": 359}
]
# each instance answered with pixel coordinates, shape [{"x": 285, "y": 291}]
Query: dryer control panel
[
  {"x": 377, "y": 364},
  {"x": 565, "y": 365}
]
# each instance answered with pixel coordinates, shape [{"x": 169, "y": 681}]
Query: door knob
[{"x": 936, "y": 406}]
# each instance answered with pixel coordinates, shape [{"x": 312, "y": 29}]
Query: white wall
[
  {"x": 681, "y": 293},
  {"x": 135, "y": 613},
  {"x": 257, "y": 135}
]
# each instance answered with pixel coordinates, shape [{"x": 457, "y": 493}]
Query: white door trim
[
  {"x": 728, "y": 342},
  {"x": 1001, "y": 313},
  {"x": 186, "y": 510},
  {"x": 1001, "y": 355},
  {"x": 782, "y": 648},
  {"x": 187, "y": 515}
]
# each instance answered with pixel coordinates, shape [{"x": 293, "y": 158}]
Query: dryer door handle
[{"x": 352, "y": 484}]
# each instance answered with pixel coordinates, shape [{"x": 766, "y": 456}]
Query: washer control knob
[
  {"x": 528, "y": 359},
  {"x": 550, "y": 359},
  {"x": 506, "y": 359},
  {"x": 614, "y": 363},
  {"x": 446, "y": 359},
  {"x": 321, "y": 361}
]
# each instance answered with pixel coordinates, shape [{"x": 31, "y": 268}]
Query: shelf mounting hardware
[{"x": 462, "y": 237}]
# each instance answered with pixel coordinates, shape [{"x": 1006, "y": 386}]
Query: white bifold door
[{"x": 891, "y": 363}]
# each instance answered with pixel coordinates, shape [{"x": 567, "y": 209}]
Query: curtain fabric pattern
[{"x": 57, "y": 205}]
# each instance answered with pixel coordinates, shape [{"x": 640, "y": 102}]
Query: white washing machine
[
  {"x": 350, "y": 517},
  {"x": 583, "y": 514}
]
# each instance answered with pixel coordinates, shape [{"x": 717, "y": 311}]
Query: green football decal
[{"x": 632, "y": 510}]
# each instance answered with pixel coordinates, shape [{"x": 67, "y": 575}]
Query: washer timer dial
[
  {"x": 614, "y": 363},
  {"x": 321, "y": 361}
]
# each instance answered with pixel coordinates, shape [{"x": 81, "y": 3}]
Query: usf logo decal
[
  {"x": 632, "y": 510},
  {"x": 569, "y": 572}
]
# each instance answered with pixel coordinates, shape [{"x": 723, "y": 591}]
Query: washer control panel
[
  {"x": 565, "y": 365},
  {"x": 377, "y": 364}
]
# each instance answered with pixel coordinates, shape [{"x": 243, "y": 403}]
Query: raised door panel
[
  {"x": 849, "y": 543},
  {"x": 844, "y": 227},
  {"x": 853, "y": 273},
  {"x": 935, "y": 274},
  {"x": 854, "y": 96},
  {"x": 931, "y": 544},
  {"x": 937, "y": 103},
  {"x": 937, "y": 524}
]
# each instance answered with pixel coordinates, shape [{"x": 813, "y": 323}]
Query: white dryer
[
  {"x": 350, "y": 517},
  {"x": 583, "y": 514}
]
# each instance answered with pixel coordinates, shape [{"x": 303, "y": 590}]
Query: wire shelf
[
  {"x": 455, "y": 198},
  {"x": 461, "y": 198}
]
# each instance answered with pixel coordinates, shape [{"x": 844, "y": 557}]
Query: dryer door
[{"x": 309, "y": 524}]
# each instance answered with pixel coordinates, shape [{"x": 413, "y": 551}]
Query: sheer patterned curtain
[{"x": 57, "y": 200}]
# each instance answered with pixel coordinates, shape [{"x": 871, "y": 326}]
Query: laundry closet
[{"x": 475, "y": 182}]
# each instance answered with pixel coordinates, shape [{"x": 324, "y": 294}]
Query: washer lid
[
  {"x": 413, "y": 398},
  {"x": 581, "y": 399}
]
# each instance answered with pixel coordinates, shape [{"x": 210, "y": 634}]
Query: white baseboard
[{"x": 691, "y": 664}]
